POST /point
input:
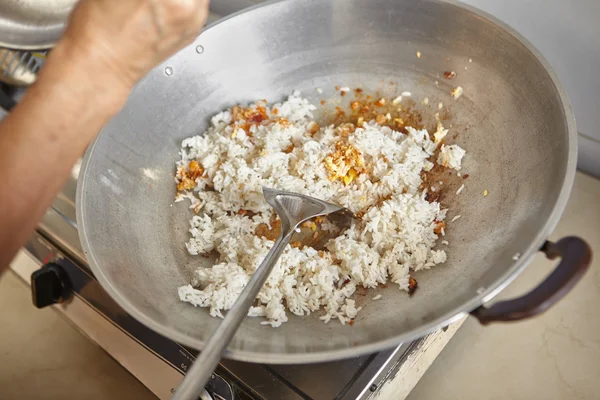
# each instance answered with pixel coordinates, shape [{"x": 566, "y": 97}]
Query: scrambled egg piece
[
  {"x": 250, "y": 115},
  {"x": 188, "y": 178},
  {"x": 345, "y": 163}
]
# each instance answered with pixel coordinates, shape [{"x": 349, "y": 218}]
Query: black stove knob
[{"x": 49, "y": 285}]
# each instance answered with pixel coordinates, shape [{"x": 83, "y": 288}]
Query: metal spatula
[{"x": 293, "y": 209}]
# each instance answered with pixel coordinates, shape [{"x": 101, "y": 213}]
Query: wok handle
[{"x": 575, "y": 257}]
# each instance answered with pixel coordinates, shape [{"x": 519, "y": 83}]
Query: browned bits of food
[
  {"x": 345, "y": 163},
  {"x": 242, "y": 212},
  {"x": 251, "y": 115},
  {"x": 323, "y": 102},
  {"x": 413, "y": 118},
  {"x": 363, "y": 109},
  {"x": 313, "y": 128},
  {"x": 438, "y": 174},
  {"x": 269, "y": 233},
  {"x": 321, "y": 253},
  {"x": 195, "y": 170},
  {"x": 383, "y": 199},
  {"x": 351, "y": 322},
  {"x": 465, "y": 176},
  {"x": 449, "y": 74},
  {"x": 188, "y": 178},
  {"x": 296, "y": 245},
  {"x": 380, "y": 119},
  {"x": 319, "y": 219},
  {"x": 245, "y": 118},
  {"x": 345, "y": 129},
  {"x": 432, "y": 196},
  {"x": 439, "y": 225},
  {"x": 289, "y": 149},
  {"x": 283, "y": 122},
  {"x": 337, "y": 88},
  {"x": 340, "y": 113},
  {"x": 186, "y": 184},
  {"x": 412, "y": 286},
  {"x": 275, "y": 111},
  {"x": 236, "y": 113},
  {"x": 342, "y": 93},
  {"x": 256, "y": 116}
]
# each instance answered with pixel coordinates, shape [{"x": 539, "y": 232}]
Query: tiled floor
[
  {"x": 555, "y": 356},
  {"x": 43, "y": 357}
]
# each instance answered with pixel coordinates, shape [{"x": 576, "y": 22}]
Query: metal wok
[{"x": 514, "y": 119}]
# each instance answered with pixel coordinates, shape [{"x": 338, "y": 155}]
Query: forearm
[
  {"x": 46, "y": 133},
  {"x": 107, "y": 47}
]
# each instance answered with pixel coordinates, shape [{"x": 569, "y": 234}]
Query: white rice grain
[
  {"x": 394, "y": 237},
  {"x": 457, "y": 92}
]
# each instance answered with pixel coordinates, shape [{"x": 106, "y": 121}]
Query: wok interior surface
[{"x": 513, "y": 121}]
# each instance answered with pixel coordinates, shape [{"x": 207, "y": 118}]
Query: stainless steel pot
[
  {"x": 38, "y": 24},
  {"x": 514, "y": 119},
  {"x": 32, "y": 24}
]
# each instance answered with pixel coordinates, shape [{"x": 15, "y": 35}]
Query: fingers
[{"x": 136, "y": 35}]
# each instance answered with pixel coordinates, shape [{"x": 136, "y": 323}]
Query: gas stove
[{"x": 55, "y": 266}]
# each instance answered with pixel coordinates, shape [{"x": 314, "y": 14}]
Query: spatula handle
[{"x": 202, "y": 369}]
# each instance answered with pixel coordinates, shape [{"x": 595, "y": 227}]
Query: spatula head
[{"x": 294, "y": 208}]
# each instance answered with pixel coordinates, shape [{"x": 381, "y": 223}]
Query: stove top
[
  {"x": 56, "y": 244},
  {"x": 65, "y": 275}
]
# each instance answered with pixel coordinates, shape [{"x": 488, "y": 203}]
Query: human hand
[{"x": 128, "y": 38}]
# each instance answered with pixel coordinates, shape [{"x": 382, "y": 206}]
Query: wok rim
[{"x": 444, "y": 320}]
